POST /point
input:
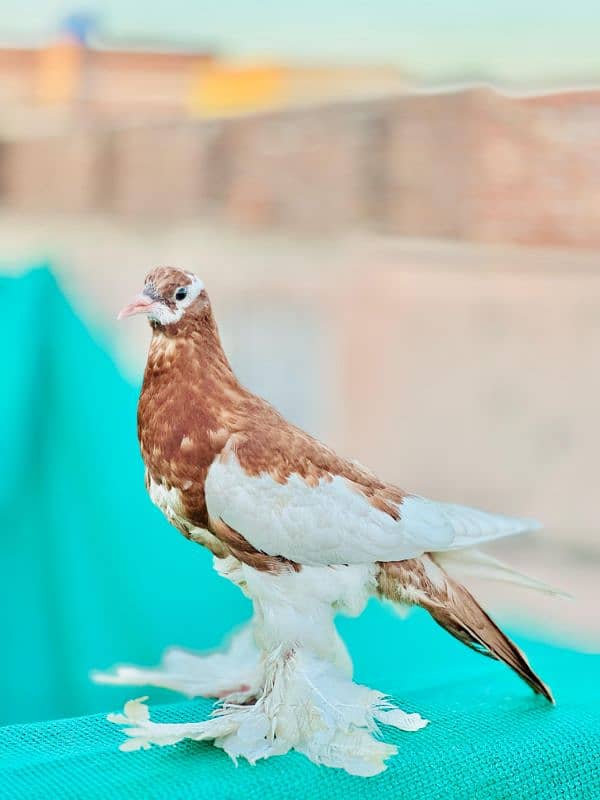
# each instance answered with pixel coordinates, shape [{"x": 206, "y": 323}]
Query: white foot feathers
[
  {"x": 219, "y": 674},
  {"x": 302, "y": 703}
]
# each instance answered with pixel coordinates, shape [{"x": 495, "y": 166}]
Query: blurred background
[{"x": 396, "y": 210}]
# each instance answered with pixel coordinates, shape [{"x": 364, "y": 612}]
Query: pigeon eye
[{"x": 181, "y": 293}]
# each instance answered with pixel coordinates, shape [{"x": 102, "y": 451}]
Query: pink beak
[{"x": 141, "y": 304}]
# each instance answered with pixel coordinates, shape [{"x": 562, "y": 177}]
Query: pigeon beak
[{"x": 141, "y": 304}]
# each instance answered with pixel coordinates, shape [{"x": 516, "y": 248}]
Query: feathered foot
[
  {"x": 233, "y": 674},
  {"x": 305, "y": 704}
]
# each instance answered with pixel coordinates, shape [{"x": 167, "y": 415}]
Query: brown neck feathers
[{"x": 192, "y": 346}]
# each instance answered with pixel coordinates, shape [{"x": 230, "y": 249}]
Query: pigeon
[{"x": 306, "y": 534}]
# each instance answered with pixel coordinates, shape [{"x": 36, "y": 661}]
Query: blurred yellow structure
[
  {"x": 60, "y": 69},
  {"x": 129, "y": 83},
  {"x": 224, "y": 88}
]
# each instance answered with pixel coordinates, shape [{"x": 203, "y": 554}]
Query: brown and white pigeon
[{"x": 306, "y": 534}]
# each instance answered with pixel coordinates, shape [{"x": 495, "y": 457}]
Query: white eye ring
[{"x": 180, "y": 293}]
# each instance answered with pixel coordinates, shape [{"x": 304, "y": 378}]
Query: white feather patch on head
[
  {"x": 167, "y": 316},
  {"x": 196, "y": 286}
]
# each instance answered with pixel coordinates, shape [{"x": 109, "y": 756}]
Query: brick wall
[{"x": 470, "y": 165}]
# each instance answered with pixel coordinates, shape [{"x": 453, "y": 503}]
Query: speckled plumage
[{"x": 304, "y": 532}]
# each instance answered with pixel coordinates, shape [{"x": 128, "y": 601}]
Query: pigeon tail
[{"x": 425, "y": 583}]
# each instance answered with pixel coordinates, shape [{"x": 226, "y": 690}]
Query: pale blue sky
[{"x": 512, "y": 40}]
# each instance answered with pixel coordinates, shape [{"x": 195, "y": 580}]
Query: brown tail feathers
[{"x": 421, "y": 581}]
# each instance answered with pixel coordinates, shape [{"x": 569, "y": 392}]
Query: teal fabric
[
  {"x": 489, "y": 737},
  {"x": 92, "y": 575}
]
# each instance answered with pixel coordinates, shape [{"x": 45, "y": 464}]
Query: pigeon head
[{"x": 168, "y": 295}]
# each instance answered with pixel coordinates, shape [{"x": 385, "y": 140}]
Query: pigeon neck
[{"x": 192, "y": 346}]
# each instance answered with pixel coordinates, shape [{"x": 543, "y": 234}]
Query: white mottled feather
[{"x": 332, "y": 523}]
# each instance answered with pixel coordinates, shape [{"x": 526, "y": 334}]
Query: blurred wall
[
  {"x": 103, "y": 81},
  {"x": 471, "y": 165},
  {"x": 68, "y": 80}
]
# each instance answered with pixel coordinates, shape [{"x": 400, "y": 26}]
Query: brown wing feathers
[{"x": 421, "y": 581}]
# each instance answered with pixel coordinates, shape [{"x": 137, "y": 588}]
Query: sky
[{"x": 515, "y": 41}]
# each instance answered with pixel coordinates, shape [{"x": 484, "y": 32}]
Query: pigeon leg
[
  {"x": 303, "y": 696},
  {"x": 305, "y": 703}
]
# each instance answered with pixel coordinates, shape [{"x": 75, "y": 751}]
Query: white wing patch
[{"x": 334, "y": 524}]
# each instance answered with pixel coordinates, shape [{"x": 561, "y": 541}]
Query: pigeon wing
[{"x": 333, "y": 520}]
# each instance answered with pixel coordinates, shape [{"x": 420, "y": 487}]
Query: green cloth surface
[
  {"x": 92, "y": 575},
  {"x": 489, "y": 737}
]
